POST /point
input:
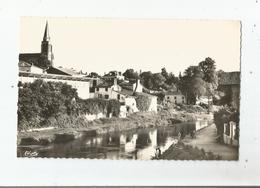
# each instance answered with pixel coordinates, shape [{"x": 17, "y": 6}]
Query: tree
[
  {"x": 165, "y": 73},
  {"x": 172, "y": 81},
  {"x": 192, "y": 84},
  {"x": 158, "y": 80},
  {"x": 131, "y": 74},
  {"x": 93, "y": 75},
  {"x": 147, "y": 79},
  {"x": 208, "y": 68}
]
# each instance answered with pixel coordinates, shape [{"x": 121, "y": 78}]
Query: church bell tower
[{"x": 46, "y": 47}]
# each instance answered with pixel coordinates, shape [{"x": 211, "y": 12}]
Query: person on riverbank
[
  {"x": 158, "y": 153},
  {"x": 192, "y": 134}
]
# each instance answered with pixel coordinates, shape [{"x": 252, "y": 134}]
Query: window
[
  {"x": 94, "y": 83},
  {"x": 106, "y": 96},
  {"x": 118, "y": 96},
  {"x": 106, "y": 89},
  {"x": 97, "y": 89},
  {"x": 182, "y": 97},
  {"x": 168, "y": 97},
  {"x": 99, "y": 95},
  {"x": 175, "y": 97}
]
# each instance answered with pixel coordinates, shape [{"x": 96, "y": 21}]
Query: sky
[{"x": 101, "y": 45}]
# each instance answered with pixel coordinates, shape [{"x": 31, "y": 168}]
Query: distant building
[
  {"x": 229, "y": 82},
  {"x": 112, "y": 75},
  {"x": 174, "y": 97}
]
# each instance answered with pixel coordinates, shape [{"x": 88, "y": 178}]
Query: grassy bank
[
  {"x": 104, "y": 125},
  {"x": 180, "y": 151}
]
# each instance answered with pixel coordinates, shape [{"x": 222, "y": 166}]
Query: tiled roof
[
  {"x": 173, "y": 93},
  {"x": 229, "y": 78},
  {"x": 125, "y": 92},
  {"x": 105, "y": 84}
]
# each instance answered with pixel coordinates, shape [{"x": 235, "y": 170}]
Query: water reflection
[{"x": 134, "y": 144}]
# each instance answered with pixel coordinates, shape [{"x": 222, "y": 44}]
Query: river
[{"x": 135, "y": 144}]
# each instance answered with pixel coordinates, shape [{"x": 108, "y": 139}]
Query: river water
[{"x": 135, "y": 144}]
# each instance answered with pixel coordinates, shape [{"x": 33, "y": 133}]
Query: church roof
[
  {"x": 62, "y": 71},
  {"x": 29, "y": 58}
]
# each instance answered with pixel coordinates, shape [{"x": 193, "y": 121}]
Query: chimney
[
  {"x": 115, "y": 81},
  {"x": 137, "y": 82}
]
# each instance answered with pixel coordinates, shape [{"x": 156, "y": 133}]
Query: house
[
  {"x": 229, "y": 83},
  {"x": 174, "y": 97},
  {"x": 125, "y": 92},
  {"x": 113, "y": 75},
  {"x": 109, "y": 90}
]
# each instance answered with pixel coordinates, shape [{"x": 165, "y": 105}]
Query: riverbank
[
  {"x": 181, "y": 151},
  {"x": 104, "y": 125},
  {"x": 207, "y": 139},
  {"x": 203, "y": 147}
]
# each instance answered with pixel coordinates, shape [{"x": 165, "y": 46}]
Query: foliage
[
  {"x": 96, "y": 105},
  {"x": 42, "y": 104},
  {"x": 158, "y": 81},
  {"x": 130, "y": 74},
  {"x": 143, "y": 102},
  {"x": 147, "y": 79},
  {"x": 192, "y": 84},
  {"x": 208, "y": 68},
  {"x": 93, "y": 75},
  {"x": 199, "y": 80}
]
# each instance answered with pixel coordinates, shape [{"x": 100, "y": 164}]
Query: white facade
[
  {"x": 139, "y": 87},
  {"x": 229, "y": 133},
  {"x": 81, "y": 86},
  {"x": 153, "y": 105}
]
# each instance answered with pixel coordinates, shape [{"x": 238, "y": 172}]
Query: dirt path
[{"x": 206, "y": 139}]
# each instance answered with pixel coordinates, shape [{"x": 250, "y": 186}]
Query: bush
[
  {"x": 96, "y": 106},
  {"x": 143, "y": 102}
]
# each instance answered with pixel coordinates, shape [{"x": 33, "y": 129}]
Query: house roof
[
  {"x": 173, "y": 93},
  {"x": 229, "y": 78},
  {"x": 105, "y": 84},
  {"x": 126, "y": 92},
  {"x": 145, "y": 94}
]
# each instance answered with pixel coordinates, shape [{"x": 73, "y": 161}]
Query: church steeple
[
  {"x": 46, "y": 36},
  {"x": 46, "y": 48}
]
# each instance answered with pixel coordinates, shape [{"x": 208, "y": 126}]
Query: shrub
[{"x": 143, "y": 102}]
